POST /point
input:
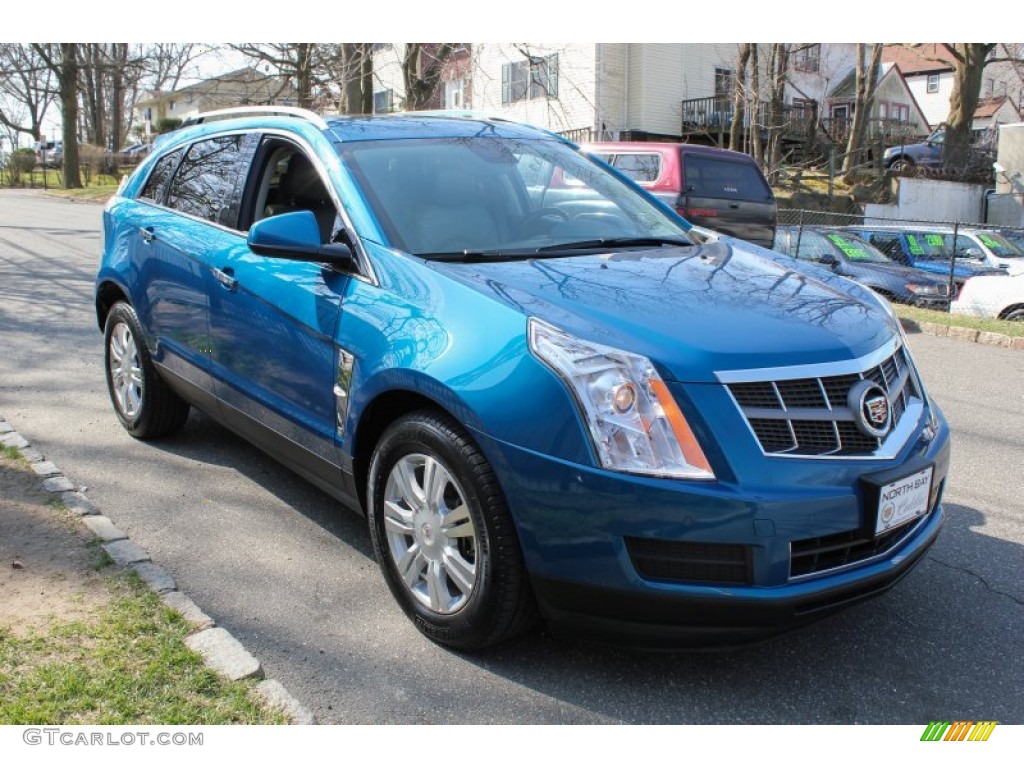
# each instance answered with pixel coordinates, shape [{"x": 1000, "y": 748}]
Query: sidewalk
[{"x": 73, "y": 609}]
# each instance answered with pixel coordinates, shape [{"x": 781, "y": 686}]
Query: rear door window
[
  {"x": 206, "y": 184},
  {"x": 724, "y": 179}
]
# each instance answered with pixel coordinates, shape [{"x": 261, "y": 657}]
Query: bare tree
[
  {"x": 168, "y": 63},
  {"x": 968, "y": 60},
  {"x": 62, "y": 59},
  {"x": 865, "y": 83},
  {"x": 27, "y": 82},
  {"x": 739, "y": 97},
  {"x": 755, "y": 86},
  {"x": 422, "y": 67},
  {"x": 299, "y": 64},
  {"x": 351, "y": 70}
]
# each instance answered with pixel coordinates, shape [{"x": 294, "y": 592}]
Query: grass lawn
[
  {"x": 84, "y": 642},
  {"x": 1008, "y": 327}
]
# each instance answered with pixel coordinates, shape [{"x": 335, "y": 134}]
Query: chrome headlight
[{"x": 635, "y": 423}]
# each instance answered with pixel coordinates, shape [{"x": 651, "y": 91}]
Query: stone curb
[
  {"x": 990, "y": 338},
  {"x": 220, "y": 650}
]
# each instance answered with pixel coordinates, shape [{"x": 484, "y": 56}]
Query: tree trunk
[
  {"x": 119, "y": 57},
  {"x": 421, "y": 72},
  {"x": 867, "y": 75},
  {"x": 739, "y": 88},
  {"x": 778, "y": 71},
  {"x": 755, "y": 127},
  {"x": 357, "y": 79},
  {"x": 304, "y": 74},
  {"x": 67, "y": 78},
  {"x": 968, "y": 68}
]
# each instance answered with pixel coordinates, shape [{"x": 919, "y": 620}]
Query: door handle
[
  {"x": 225, "y": 277},
  {"x": 148, "y": 234}
]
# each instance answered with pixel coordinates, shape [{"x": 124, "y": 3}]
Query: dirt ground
[{"x": 46, "y": 563}]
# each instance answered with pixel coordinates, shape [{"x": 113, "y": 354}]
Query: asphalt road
[{"x": 290, "y": 573}]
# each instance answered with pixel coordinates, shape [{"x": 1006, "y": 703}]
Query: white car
[
  {"x": 993, "y": 249},
  {"x": 991, "y": 296}
]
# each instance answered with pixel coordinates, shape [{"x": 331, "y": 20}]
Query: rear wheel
[
  {"x": 443, "y": 535},
  {"x": 1016, "y": 314},
  {"x": 144, "y": 404}
]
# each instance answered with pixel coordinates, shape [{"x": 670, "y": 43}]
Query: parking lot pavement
[{"x": 290, "y": 574}]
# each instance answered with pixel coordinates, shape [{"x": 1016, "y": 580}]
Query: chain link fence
[{"x": 961, "y": 267}]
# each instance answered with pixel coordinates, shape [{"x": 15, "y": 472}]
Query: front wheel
[
  {"x": 144, "y": 404},
  {"x": 443, "y": 535}
]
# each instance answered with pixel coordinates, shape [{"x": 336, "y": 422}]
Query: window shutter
[
  {"x": 553, "y": 75},
  {"x": 506, "y": 93}
]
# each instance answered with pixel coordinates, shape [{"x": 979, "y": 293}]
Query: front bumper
[{"x": 577, "y": 524}]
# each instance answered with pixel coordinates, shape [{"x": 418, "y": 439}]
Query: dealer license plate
[{"x": 903, "y": 500}]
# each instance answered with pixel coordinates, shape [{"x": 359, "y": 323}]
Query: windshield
[
  {"x": 1000, "y": 245},
  {"x": 855, "y": 249},
  {"x": 497, "y": 197},
  {"x": 929, "y": 245}
]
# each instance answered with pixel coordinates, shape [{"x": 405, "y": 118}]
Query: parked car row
[
  {"x": 912, "y": 265},
  {"x": 851, "y": 256}
]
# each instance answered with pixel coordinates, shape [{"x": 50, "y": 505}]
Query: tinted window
[
  {"x": 205, "y": 183},
  {"x": 856, "y": 249},
  {"x": 638, "y": 167},
  {"x": 999, "y": 245},
  {"x": 724, "y": 179},
  {"x": 156, "y": 184}
]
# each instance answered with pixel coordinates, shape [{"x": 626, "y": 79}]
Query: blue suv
[{"x": 548, "y": 406}]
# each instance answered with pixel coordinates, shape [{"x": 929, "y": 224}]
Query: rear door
[{"x": 730, "y": 196}]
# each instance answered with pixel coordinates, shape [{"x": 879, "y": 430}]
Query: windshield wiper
[
  {"x": 614, "y": 242},
  {"x": 471, "y": 256}
]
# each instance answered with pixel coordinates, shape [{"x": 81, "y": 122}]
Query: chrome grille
[{"x": 809, "y": 416}]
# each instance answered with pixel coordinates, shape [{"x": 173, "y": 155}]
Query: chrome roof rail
[{"x": 224, "y": 114}]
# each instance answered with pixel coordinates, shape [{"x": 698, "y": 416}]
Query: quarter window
[
  {"x": 206, "y": 181},
  {"x": 156, "y": 184},
  {"x": 638, "y": 167}
]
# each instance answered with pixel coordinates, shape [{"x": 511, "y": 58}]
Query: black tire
[
  {"x": 498, "y": 605},
  {"x": 901, "y": 164},
  {"x": 146, "y": 407},
  {"x": 1015, "y": 315}
]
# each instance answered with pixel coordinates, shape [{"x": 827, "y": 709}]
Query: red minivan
[{"x": 714, "y": 188}]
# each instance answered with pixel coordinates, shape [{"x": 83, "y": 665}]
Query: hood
[
  {"x": 897, "y": 270},
  {"x": 692, "y": 310}
]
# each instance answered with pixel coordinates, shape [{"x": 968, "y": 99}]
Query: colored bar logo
[{"x": 960, "y": 730}]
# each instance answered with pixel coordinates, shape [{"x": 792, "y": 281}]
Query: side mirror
[
  {"x": 296, "y": 236},
  {"x": 828, "y": 260}
]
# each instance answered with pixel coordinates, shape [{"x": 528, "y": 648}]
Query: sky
[{"x": 659, "y": 21}]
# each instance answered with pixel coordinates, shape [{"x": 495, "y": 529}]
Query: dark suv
[
  {"x": 850, "y": 256},
  {"x": 714, "y": 188}
]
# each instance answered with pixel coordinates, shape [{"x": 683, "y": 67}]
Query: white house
[{"x": 929, "y": 75}]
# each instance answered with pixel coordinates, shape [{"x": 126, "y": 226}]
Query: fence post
[
  {"x": 952, "y": 262},
  {"x": 799, "y": 234},
  {"x": 831, "y": 170}
]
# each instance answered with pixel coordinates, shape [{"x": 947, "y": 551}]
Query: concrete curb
[
  {"x": 967, "y": 334},
  {"x": 221, "y": 651}
]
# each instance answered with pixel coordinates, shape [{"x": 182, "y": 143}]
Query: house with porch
[{"x": 243, "y": 87}]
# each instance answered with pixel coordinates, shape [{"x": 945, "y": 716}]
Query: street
[{"x": 290, "y": 573}]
